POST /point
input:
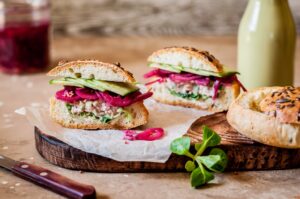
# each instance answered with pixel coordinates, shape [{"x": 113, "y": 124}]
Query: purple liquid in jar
[{"x": 24, "y": 47}]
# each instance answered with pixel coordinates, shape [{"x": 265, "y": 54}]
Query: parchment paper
[{"x": 110, "y": 143}]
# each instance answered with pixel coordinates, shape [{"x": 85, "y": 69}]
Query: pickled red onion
[{"x": 150, "y": 134}]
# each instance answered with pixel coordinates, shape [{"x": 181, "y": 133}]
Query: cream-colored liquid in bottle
[{"x": 266, "y": 44}]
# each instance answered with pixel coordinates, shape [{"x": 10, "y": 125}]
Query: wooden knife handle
[{"x": 53, "y": 181}]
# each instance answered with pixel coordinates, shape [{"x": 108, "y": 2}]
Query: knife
[{"x": 48, "y": 179}]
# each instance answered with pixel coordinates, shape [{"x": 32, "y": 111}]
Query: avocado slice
[
  {"x": 179, "y": 69},
  {"x": 120, "y": 88},
  {"x": 85, "y": 83},
  {"x": 65, "y": 82},
  {"x": 166, "y": 67}
]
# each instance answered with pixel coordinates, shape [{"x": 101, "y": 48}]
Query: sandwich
[
  {"x": 269, "y": 115},
  {"x": 191, "y": 78},
  {"x": 96, "y": 95}
]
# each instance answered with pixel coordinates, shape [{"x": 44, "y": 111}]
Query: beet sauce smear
[{"x": 24, "y": 48}]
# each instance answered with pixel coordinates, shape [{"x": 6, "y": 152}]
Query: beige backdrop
[{"x": 151, "y": 17}]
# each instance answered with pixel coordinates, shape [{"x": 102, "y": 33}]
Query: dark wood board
[{"x": 243, "y": 153}]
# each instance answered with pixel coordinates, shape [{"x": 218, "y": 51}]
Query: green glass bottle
[{"x": 266, "y": 44}]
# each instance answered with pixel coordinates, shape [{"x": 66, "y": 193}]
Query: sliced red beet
[
  {"x": 86, "y": 93},
  {"x": 202, "y": 81},
  {"x": 123, "y": 101},
  {"x": 186, "y": 77},
  {"x": 67, "y": 96},
  {"x": 157, "y": 72}
]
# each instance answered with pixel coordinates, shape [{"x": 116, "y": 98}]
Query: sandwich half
[
  {"x": 96, "y": 95},
  {"x": 191, "y": 78}
]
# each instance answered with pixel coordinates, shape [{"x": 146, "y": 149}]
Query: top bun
[
  {"x": 92, "y": 69},
  {"x": 284, "y": 104},
  {"x": 187, "y": 57},
  {"x": 269, "y": 115}
]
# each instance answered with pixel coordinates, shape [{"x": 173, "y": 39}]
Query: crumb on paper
[
  {"x": 35, "y": 104},
  {"x": 29, "y": 84},
  {"x": 21, "y": 111},
  {"x": 31, "y": 158},
  {"x": 11, "y": 187},
  {"x": 125, "y": 175},
  {"x": 17, "y": 184},
  {"x": 14, "y": 78},
  {"x": 4, "y": 182},
  {"x": 5, "y": 115},
  {"x": 81, "y": 171},
  {"x": 7, "y": 126},
  {"x": 5, "y": 147},
  {"x": 7, "y": 120}
]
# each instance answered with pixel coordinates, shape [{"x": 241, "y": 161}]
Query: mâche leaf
[
  {"x": 222, "y": 163},
  {"x": 197, "y": 146},
  {"x": 189, "y": 166},
  {"x": 216, "y": 161},
  {"x": 210, "y": 137},
  {"x": 200, "y": 176},
  {"x": 180, "y": 146}
]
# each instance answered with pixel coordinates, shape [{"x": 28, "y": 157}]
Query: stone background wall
[{"x": 151, "y": 17}]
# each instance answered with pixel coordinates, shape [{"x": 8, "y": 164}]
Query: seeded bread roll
[
  {"x": 186, "y": 57},
  {"x": 269, "y": 115},
  {"x": 138, "y": 114},
  {"x": 191, "y": 58},
  {"x": 92, "y": 69}
]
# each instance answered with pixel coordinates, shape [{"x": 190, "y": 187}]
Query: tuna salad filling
[
  {"x": 96, "y": 109},
  {"x": 102, "y": 105},
  {"x": 189, "y": 90},
  {"x": 191, "y": 86}
]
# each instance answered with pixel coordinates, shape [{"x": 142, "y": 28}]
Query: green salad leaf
[
  {"x": 216, "y": 161},
  {"x": 190, "y": 96},
  {"x": 180, "y": 145}
]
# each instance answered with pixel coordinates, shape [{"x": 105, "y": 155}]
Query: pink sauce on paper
[{"x": 150, "y": 134}]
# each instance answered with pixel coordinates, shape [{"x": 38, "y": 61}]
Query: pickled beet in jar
[{"x": 24, "y": 36}]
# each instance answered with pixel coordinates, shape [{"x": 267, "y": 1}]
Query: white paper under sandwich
[{"x": 110, "y": 143}]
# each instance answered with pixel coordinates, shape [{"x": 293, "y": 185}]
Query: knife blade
[{"x": 48, "y": 179}]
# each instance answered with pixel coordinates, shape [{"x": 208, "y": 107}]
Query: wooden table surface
[{"x": 16, "y": 134}]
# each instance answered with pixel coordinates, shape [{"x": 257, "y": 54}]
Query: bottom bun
[
  {"x": 245, "y": 116},
  {"x": 60, "y": 114},
  {"x": 162, "y": 94}
]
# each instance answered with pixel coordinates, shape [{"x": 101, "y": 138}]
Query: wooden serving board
[{"x": 243, "y": 153}]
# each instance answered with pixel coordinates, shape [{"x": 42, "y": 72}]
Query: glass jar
[
  {"x": 24, "y": 36},
  {"x": 266, "y": 44}
]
